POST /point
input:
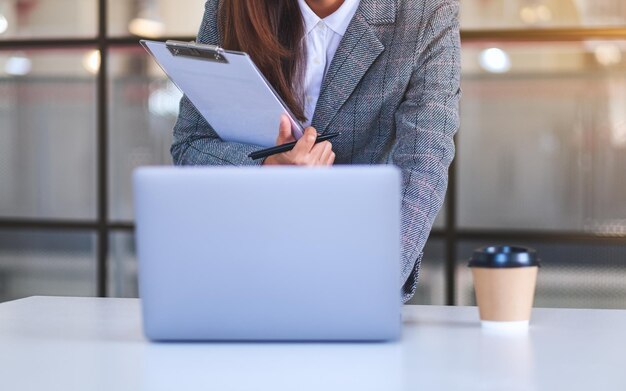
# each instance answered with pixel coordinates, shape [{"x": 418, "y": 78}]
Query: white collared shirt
[{"x": 322, "y": 38}]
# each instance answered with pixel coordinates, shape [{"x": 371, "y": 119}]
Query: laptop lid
[{"x": 269, "y": 253}]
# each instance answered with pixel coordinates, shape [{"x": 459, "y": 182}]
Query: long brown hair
[{"x": 271, "y": 32}]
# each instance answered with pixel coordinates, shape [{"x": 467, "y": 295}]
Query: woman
[{"x": 384, "y": 73}]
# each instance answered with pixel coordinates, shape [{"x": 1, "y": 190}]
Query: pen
[{"x": 263, "y": 153}]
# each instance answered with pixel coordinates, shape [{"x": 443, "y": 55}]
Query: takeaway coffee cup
[{"x": 504, "y": 281}]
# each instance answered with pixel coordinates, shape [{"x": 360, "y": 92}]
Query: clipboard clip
[{"x": 192, "y": 49}]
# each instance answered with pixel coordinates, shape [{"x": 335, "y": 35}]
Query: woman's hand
[{"x": 305, "y": 153}]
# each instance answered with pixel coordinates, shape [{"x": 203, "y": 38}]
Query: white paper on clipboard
[{"x": 233, "y": 97}]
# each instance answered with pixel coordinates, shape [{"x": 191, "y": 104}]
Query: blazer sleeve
[
  {"x": 426, "y": 122},
  {"x": 195, "y": 142}
]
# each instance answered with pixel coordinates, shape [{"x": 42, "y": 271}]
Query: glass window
[
  {"x": 571, "y": 275},
  {"x": 47, "y": 134},
  {"x": 25, "y": 19},
  {"x": 502, "y": 14},
  {"x": 122, "y": 265},
  {"x": 543, "y": 138},
  {"x": 155, "y": 18},
  {"x": 143, "y": 108},
  {"x": 46, "y": 263},
  {"x": 542, "y": 144}
]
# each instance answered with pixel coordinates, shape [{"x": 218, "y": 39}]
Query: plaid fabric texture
[{"x": 392, "y": 90}]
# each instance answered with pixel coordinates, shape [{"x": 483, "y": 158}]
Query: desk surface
[{"x": 96, "y": 344}]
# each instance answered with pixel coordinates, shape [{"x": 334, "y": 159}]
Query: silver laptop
[{"x": 269, "y": 254}]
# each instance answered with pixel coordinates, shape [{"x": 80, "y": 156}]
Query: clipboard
[{"x": 227, "y": 89}]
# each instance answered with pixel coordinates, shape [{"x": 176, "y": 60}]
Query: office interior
[{"x": 540, "y": 161}]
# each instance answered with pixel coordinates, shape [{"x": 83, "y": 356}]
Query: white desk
[{"x": 96, "y": 344}]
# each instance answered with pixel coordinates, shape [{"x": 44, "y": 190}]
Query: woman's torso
[{"x": 367, "y": 78}]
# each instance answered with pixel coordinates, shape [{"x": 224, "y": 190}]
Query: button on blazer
[{"x": 392, "y": 90}]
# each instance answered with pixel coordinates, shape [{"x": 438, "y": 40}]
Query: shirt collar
[{"x": 338, "y": 21}]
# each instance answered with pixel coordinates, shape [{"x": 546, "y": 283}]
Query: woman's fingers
[
  {"x": 327, "y": 151},
  {"x": 306, "y": 152},
  {"x": 318, "y": 150},
  {"x": 331, "y": 159},
  {"x": 306, "y": 143},
  {"x": 284, "y": 131}
]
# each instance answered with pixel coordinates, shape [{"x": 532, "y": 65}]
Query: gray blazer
[{"x": 392, "y": 90}]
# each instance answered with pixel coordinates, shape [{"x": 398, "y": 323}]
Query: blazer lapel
[{"x": 358, "y": 49}]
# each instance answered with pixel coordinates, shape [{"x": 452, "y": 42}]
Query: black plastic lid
[{"x": 504, "y": 257}]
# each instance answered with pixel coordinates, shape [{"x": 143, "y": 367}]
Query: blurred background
[{"x": 541, "y": 151}]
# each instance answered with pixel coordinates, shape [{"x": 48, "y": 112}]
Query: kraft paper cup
[{"x": 504, "y": 281}]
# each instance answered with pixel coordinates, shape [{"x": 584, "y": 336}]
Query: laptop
[{"x": 269, "y": 254}]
